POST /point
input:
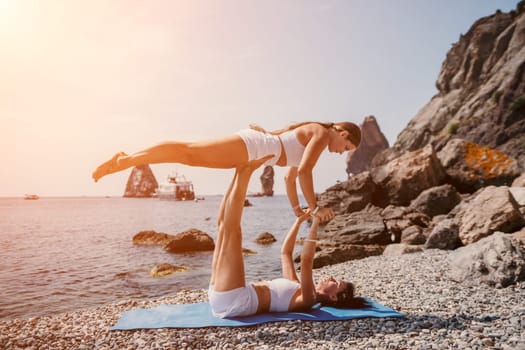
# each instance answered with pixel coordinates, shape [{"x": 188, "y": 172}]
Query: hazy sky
[{"x": 81, "y": 80}]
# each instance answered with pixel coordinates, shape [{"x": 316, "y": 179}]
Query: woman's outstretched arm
[
  {"x": 307, "y": 264},
  {"x": 287, "y": 249},
  {"x": 316, "y": 145},
  {"x": 290, "y": 180}
]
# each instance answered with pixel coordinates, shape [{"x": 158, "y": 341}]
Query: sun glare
[
  {"x": 7, "y": 13},
  {"x": 5, "y": 6},
  {"x": 13, "y": 20}
]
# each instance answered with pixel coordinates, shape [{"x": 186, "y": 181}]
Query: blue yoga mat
[{"x": 199, "y": 315}]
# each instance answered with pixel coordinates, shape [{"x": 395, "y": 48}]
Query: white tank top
[
  {"x": 292, "y": 147},
  {"x": 281, "y": 293}
]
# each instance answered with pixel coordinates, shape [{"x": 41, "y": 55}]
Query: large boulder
[
  {"x": 141, "y": 183},
  {"x": 192, "y": 240},
  {"x": 436, "y": 200},
  {"x": 413, "y": 235},
  {"x": 362, "y": 228},
  {"x": 339, "y": 254},
  {"x": 404, "y": 178},
  {"x": 470, "y": 166},
  {"x": 373, "y": 141},
  {"x": 489, "y": 210},
  {"x": 351, "y": 195},
  {"x": 498, "y": 260},
  {"x": 407, "y": 222},
  {"x": 444, "y": 235}
]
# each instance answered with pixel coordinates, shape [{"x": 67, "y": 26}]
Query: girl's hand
[
  {"x": 325, "y": 214},
  {"x": 298, "y": 211},
  {"x": 305, "y": 215}
]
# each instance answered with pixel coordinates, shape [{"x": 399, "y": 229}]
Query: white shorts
[
  {"x": 259, "y": 145},
  {"x": 232, "y": 303}
]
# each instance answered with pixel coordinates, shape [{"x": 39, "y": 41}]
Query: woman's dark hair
[
  {"x": 354, "y": 132},
  {"x": 345, "y": 299}
]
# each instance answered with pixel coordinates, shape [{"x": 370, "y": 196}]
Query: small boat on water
[
  {"x": 31, "y": 197},
  {"x": 176, "y": 188}
]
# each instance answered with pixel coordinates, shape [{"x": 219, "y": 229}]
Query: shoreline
[{"x": 439, "y": 313}]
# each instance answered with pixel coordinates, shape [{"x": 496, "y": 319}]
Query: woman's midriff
[{"x": 263, "y": 294}]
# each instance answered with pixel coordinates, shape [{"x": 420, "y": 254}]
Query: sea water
[{"x": 64, "y": 254}]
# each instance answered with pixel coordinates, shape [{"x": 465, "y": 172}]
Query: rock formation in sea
[
  {"x": 373, "y": 141},
  {"x": 141, "y": 183},
  {"x": 453, "y": 176},
  {"x": 267, "y": 181}
]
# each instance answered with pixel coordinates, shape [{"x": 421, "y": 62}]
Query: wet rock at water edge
[
  {"x": 166, "y": 269},
  {"x": 151, "y": 237},
  {"x": 265, "y": 238},
  {"x": 192, "y": 240}
]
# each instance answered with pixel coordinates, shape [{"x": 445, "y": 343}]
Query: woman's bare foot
[{"x": 109, "y": 167}]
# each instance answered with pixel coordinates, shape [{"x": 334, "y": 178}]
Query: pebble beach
[{"x": 439, "y": 314}]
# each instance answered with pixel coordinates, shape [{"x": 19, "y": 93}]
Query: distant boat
[
  {"x": 176, "y": 188},
  {"x": 31, "y": 196}
]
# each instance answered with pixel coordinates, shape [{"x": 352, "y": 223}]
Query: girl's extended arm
[
  {"x": 307, "y": 263},
  {"x": 313, "y": 150},
  {"x": 287, "y": 248},
  {"x": 290, "y": 179}
]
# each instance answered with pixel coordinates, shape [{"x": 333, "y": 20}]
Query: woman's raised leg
[
  {"x": 228, "y": 261},
  {"x": 220, "y": 226},
  {"x": 228, "y": 152}
]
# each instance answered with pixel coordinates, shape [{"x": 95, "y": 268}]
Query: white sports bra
[
  {"x": 281, "y": 292},
  {"x": 292, "y": 147}
]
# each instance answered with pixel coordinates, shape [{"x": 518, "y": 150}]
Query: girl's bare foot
[{"x": 109, "y": 167}]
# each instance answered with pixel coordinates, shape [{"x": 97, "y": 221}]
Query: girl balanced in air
[{"x": 297, "y": 146}]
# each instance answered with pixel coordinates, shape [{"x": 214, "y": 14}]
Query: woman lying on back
[{"x": 231, "y": 296}]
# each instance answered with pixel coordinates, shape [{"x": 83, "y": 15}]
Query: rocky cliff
[
  {"x": 452, "y": 178},
  {"x": 481, "y": 92},
  {"x": 141, "y": 183},
  {"x": 373, "y": 141}
]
